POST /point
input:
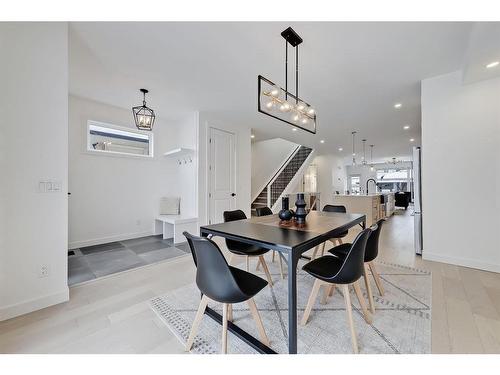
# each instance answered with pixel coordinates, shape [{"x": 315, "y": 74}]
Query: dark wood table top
[{"x": 266, "y": 231}]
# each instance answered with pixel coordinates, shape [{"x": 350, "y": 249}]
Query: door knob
[{"x": 233, "y": 194}]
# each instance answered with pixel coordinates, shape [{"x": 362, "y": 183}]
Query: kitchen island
[{"x": 370, "y": 205}]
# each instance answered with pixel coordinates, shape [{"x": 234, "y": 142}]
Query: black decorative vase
[
  {"x": 285, "y": 215},
  {"x": 300, "y": 213}
]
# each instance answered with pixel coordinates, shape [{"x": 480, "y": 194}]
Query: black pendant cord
[
  {"x": 296, "y": 74},
  {"x": 286, "y": 69}
]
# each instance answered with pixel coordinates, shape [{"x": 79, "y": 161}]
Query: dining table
[{"x": 291, "y": 241}]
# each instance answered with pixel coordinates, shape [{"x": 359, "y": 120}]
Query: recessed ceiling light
[
  {"x": 341, "y": 149},
  {"x": 493, "y": 64},
  {"x": 322, "y": 141},
  {"x": 412, "y": 139},
  {"x": 398, "y": 105},
  {"x": 294, "y": 129},
  {"x": 252, "y": 136},
  {"x": 406, "y": 127}
]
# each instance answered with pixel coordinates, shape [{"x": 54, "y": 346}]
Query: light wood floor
[{"x": 112, "y": 315}]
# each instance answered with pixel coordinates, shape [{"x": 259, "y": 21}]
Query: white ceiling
[{"x": 352, "y": 73}]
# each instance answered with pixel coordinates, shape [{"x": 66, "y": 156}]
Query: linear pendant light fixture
[
  {"x": 144, "y": 117},
  {"x": 281, "y": 104}
]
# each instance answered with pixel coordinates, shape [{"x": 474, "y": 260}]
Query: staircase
[{"x": 277, "y": 185}]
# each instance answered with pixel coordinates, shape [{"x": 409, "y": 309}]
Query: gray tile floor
[{"x": 92, "y": 262}]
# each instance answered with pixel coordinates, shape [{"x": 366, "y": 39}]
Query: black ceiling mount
[{"x": 291, "y": 37}]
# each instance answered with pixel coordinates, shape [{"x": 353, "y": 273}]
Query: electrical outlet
[{"x": 43, "y": 272}]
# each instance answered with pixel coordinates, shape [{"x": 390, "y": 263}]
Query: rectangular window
[{"x": 111, "y": 139}]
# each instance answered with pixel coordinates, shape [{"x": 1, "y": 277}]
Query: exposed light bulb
[
  {"x": 294, "y": 129},
  {"x": 295, "y": 117},
  {"x": 252, "y": 136},
  {"x": 406, "y": 127},
  {"x": 493, "y": 64},
  {"x": 301, "y": 106},
  {"x": 270, "y": 104},
  {"x": 341, "y": 149},
  {"x": 371, "y": 168},
  {"x": 398, "y": 105},
  {"x": 304, "y": 120},
  {"x": 285, "y": 107},
  {"x": 322, "y": 141},
  {"x": 310, "y": 111},
  {"x": 275, "y": 92}
]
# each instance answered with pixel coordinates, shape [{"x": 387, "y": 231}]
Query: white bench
[{"x": 174, "y": 225}]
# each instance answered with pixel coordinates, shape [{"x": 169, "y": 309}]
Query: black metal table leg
[{"x": 292, "y": 303}]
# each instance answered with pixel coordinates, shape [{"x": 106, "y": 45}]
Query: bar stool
[
  {"x": 331, "y": 271},
  {"x": 371, "y": 254},
  {"x": 222, "y": 283},
  {"x": 266, "y": 211},
  {"x": 244, "y": 249},
  {"x": 331, "y": 208}
]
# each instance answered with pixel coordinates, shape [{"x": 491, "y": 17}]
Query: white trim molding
[
  {"x": 459, "y": 261},
  {"x": 34, "y": 304},
  {"x": 118, "y": 237}
]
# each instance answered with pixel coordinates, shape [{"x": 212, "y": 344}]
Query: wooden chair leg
[
  {"x": 224, "y": 328},
  {"x": 362, "y": 303},
  {"x": 248, "y": 262},
  {"x": 310, "y": 302},
  {"x": 348, "y": 308},
  {"x": 274, "y": 253},
  {"x": 281, "y": 266},
  {"x": 323, "y": 248},
  {"x": 315, "y": 251},
  {"x": 369, "y": 289},
  {"x": 230, "y": 312},
  {"x": 376, "y": 277},
  {"x": 266, "y": 270},
  {"x": 332, "y": 290},
  {"x": 329, "y": 288},
  {"x": 196, "y": 323},
  {"x": 340, "y": 241},
  {"x": 257, "y": 267},
  {"x": 258, "y": 321}
]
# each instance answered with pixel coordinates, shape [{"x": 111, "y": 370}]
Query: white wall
[
  {"x": 243, "y": 163},
  {"x": 34, "y": 133},
  {"x": 461, "y": 171},
  {"x": 267, "y": 157},
  {"x": 331, "y": 176},
  {"x": 117, "y": 197}
]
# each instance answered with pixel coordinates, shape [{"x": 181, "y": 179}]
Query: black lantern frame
[{"x": 143, "y": 115}]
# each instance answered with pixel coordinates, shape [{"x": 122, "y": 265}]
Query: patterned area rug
[{"x": 401, "y": 323}]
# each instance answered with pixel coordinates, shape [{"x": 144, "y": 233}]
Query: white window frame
[{"x": 91, "y": 150}]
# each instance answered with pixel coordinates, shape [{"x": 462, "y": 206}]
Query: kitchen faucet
[{"x": 367, "y": 181}]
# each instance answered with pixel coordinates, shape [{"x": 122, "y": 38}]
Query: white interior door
[{"x": 222, "y": 174}]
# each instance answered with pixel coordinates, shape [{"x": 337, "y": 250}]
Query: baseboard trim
[
  {"x": 119, "y": 237},
  {"x": 25, "y": 307},
  {"x": 458, "y": 261}
]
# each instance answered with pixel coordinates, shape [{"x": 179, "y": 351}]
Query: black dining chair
[
  {"x": 263, "y": 211},
  {"x": 338, "y": 238},
  {"x": 220, "y": 282},
  {"x": 371, "y": 254},
  {"x": 331, "y": 271},
  {"x": 244, "y": 249},
  {"x": 266, "y": 211}
]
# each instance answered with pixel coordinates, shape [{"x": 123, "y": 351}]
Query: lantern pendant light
[{"x": 144, "y": 117}]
